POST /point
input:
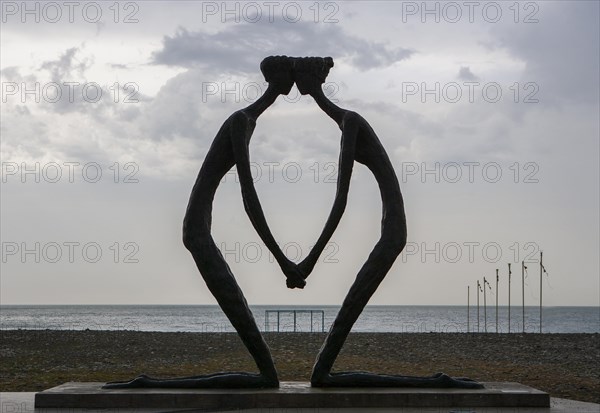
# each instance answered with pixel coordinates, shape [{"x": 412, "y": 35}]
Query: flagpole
[
  {"x": 468, "y": 304},
  {"x": 541, "y": 271},
  {"x": 523, "y": 268},
  {"x": 509, "y": 273},
  {"x": 485, "y": 305},
  {"x": 497, "y": 280},
  {"x": 478, "y": 290}
]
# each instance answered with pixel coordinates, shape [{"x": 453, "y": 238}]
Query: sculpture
[{"x": 230, "y": 148}]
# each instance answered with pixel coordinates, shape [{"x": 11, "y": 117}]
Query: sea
[{"x": 210, "y": 318}]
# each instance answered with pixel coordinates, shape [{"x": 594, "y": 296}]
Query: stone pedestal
[{"x": 290, "y": 394}]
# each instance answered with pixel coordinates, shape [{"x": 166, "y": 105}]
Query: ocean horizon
[{"x": 375, "y": 318}]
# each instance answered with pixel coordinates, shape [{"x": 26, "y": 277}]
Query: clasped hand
[{"x": 296, "y": 273}]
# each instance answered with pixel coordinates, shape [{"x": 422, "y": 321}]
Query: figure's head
[
  {"x": 310, "y": 72},
  {"x": 278, "y": 72}
]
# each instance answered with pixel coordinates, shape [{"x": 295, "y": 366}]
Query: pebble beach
[{"x": 564, "y": 365}]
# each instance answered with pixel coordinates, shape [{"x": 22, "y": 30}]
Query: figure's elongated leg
[
  {"x": 223, "y": 286},
  {"x": 368, "y": 279}
]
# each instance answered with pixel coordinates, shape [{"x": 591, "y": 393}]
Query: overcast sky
[{"x": 488, "y": 110}]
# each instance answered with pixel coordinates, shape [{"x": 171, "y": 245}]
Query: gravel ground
[{"x": 564, "y": 365}]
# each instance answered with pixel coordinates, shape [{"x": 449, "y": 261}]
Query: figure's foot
[
  {"x": 361, "y": 379},
  {"x": 139, "y": 381},
  {"x": 443, "y": 380},
  {"x": 217, "y": 380}
]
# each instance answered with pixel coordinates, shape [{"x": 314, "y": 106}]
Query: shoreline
[
  {"x": 375, "y": 318},
  {"x": 562, "y": 364}
]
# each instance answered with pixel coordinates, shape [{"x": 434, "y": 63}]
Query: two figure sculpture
[{"x": 359, "y": 143}]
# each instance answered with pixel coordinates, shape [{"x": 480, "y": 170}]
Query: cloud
[
  {"x": 61, "y": 84},
  {"x": 25, "y": 136},
  {"x": 465, "y": 74},
  {"x": 66, "y": 65},
  {"x": 11, "y": 74},
  {"x": 238, "y": 48},
  {"x": 565, "y": 63}
]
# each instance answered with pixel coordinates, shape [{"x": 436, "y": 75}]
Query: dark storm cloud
[{"x": 239, "y": 47}]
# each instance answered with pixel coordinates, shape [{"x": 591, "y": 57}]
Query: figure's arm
[
  {"x": 252, "y": 205},
  {"x": 350, "y": 128}
]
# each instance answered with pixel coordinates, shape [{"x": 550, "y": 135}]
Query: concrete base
[{"x": 289, "y": 395}]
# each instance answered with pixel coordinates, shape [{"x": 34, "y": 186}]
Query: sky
[{"x": 488, "y": 111}]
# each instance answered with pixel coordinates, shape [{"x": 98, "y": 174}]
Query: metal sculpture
[{"x": 230, "y": 148}]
